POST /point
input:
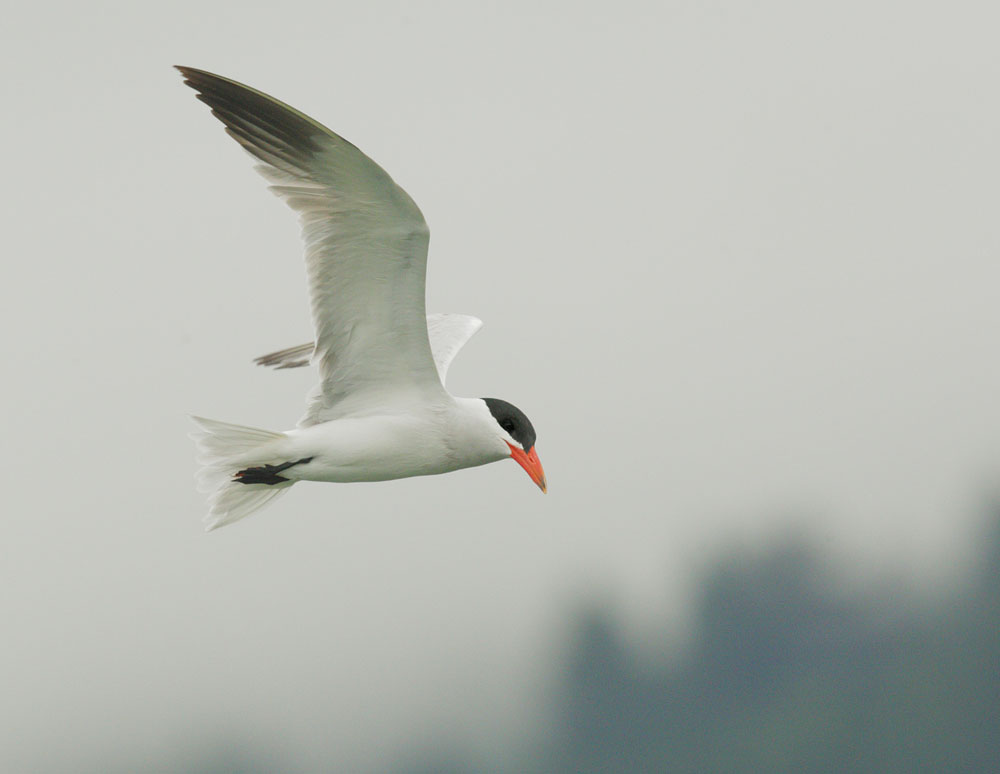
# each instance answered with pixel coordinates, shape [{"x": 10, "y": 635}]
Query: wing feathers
[
  {"x": 293, "y": 357},
  {"x": 366, "y": 250},
  {"x": 259, "y": 111}
]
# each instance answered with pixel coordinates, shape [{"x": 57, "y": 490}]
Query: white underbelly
[{"x": 370, "y": 449}]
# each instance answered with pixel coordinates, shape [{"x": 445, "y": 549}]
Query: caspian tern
[{"x": 380, "y": 410}]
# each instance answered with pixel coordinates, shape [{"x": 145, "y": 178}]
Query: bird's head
[{"x": 515, "y": 429}]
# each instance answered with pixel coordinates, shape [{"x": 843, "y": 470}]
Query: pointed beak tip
[{"x": 531, "y": 464}]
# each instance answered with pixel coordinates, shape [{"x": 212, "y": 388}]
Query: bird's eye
[{"x": 507, "y": 425}]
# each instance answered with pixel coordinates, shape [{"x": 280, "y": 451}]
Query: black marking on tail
[{"x": 267, "y": 474}]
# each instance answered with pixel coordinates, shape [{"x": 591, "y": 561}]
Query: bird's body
[
  {"x": 440, "y": 438},
  {"x": 380, "y": 410}
]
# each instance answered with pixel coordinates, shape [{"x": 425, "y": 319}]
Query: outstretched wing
[
  {"x": 366, "y": 251},
  {"x": 448, "y": 334}
]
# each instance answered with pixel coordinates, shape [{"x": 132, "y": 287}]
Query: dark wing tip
[
  {"x": 193, "y": 76},
  {"x": 270, "y": 129},
  {"x": 293, "y": 357}
]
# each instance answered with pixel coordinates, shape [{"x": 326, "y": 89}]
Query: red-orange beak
[{"x": 529, "y": 461}]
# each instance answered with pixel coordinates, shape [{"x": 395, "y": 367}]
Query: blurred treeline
[{"x": 787, "y": 671}]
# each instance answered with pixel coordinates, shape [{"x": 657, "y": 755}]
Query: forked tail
[{"x": 236, "y": 471}]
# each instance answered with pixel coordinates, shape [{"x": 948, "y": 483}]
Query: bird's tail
[{"x": 229, "y": 456}]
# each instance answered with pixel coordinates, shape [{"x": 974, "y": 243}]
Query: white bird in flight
[{"x": 380, "y": 410}]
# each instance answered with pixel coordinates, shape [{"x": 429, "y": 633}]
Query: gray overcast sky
[{"x": 736, "y": 260}]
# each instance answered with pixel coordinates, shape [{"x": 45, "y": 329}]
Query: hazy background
[{"x": 738, "y": 262}]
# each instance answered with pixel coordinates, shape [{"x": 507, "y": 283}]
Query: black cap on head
[{"x": 513, "y": 421}]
